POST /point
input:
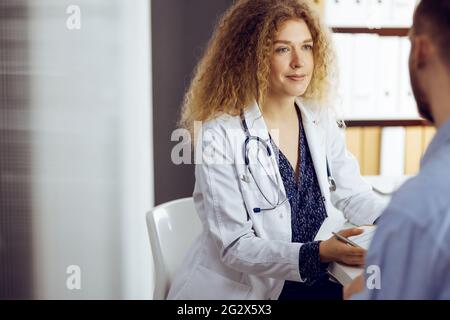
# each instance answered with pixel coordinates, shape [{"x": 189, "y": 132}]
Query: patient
[{"x": 411, "y": 246}]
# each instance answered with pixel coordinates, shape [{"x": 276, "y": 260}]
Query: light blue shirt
[{"x": 412, "y": 244}]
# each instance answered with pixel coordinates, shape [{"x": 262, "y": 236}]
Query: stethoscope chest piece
[{"x": 332, "y": 183}]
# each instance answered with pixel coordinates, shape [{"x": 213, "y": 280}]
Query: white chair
[{"x": 172, "y": 228}]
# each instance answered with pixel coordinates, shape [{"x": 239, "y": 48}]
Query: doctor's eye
[
  {"x": 307, "y": 47},
  {"x": 282, "y": 50}
]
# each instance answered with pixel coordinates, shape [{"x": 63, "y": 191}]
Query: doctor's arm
[{"x": 353, "y": 196}]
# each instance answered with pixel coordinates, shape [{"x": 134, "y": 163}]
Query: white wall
[
  {"x": 92, "y": 152},
  {"x": 137, "y": 164}
]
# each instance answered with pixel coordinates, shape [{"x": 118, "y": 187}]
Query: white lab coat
[{"x": 245, "y": 255}]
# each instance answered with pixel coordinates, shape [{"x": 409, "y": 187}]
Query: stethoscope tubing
[{"x": 248, "y": 139}]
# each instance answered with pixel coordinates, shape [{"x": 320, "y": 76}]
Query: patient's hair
[{"x": 432, "y": 17}]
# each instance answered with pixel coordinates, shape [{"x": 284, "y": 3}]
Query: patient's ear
[{"x": 421, "y": 51}]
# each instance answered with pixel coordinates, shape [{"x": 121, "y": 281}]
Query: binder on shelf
[
  {"x": 336, "y": 12},
  {"x": 414, "y": 142},
  {"x": 344, "y": 52},
  {"x": 388, "y": 76},
  {"x": 374, "y": 76},
  {"x": 353, "y": 140},
  {"x": 392, "y": 157},
  {"x": 358, "y": 9},
  {"x": 369, "y": 13},
  {"x": 402, "y": 13},
  {"x": 370, "y": 164},
  {"x": 363, "y": 79},
  {"x": 377, "y": 13},
  {"x": 407, "y": 103}
]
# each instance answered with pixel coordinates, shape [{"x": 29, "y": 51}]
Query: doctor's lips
[{"x": 297, "y": 77}]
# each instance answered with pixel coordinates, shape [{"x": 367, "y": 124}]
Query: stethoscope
[{"x": 273, "y": 205}]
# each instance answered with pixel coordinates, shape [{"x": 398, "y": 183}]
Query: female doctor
[{"x": 274, "y": 168}]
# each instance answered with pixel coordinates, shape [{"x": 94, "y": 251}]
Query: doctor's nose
[{"x": 297, "y": 62}]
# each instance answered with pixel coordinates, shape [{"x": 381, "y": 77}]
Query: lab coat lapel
[
  {"x": 316, "y": 137},
  {"x": 257, "y": 127},
  {"x": 316, "y": 126}
]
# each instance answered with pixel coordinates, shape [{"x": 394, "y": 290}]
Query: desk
[{"x": 386, "y": 185}]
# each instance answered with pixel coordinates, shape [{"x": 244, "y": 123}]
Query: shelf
[
  {"x": 399, "y": 32},
  {"x": 387, "y": 123}
]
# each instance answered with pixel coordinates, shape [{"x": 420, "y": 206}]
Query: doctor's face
[{"x": 292, "y": 62}]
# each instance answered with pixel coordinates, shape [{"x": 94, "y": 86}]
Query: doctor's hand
[{"x": 336, "y": 250}]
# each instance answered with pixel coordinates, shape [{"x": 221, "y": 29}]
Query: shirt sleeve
[
  {"x": 311, "y": 268},
  {"x": 394, "y": 269}
]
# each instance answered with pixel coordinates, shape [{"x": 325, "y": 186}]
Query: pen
[{"x": 344, "y": 239}]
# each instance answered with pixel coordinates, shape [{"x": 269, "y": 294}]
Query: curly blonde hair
[{"x": 234, "y": 70}]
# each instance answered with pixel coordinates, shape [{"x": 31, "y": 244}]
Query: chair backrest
[{"x": 172, "y": 228}]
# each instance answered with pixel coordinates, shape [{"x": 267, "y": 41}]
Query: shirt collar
[
  {"x": 441, "y": 138},
  {"x": 253, "y": 113}
]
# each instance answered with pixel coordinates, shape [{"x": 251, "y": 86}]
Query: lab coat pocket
[
  {"x": 276, "y": 223},
  {"x": 269, "y": 224},
  {"x": 205, "y": 284},
  {"x": 251, "y": 202}
]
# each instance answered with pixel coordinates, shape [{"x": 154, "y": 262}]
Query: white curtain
[{"x": 92, "y": 171}]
